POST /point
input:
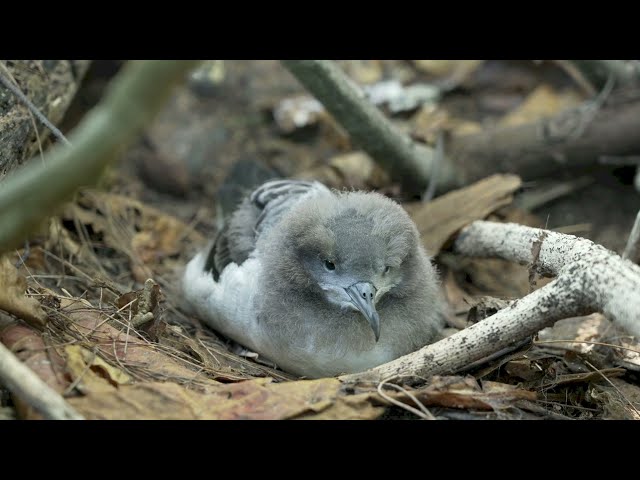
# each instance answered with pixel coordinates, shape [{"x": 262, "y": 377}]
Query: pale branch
[
  {"x": 26, "y": 385},
  {"x": 133, "y": 98},
  {"x": 632, "y": 250},
  {"x": 598, "y": 71},
  {"x": 407, "y": 161},
  {"x": 589, "y": 278}
]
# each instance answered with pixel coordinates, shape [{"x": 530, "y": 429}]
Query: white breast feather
[{"x": 228, "y": 304}]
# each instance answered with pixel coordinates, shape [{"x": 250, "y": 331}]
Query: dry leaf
[
  {"x": 464, "y": 392},
  {"x": 441, "y": 218},
  {"x": 543, "y": 102},
  {"x": 297, "y": 112},
  {"x": 250, "y": 400},
  {"x": 154, "y": 242},
  {"x": 90, "y": 372},
  {"x": 363, "y": 71},
  {"x": 351, "y": 170},
  {"x": 28, "y": 345},
  {"x": 12, "y": 295},
  {"x": 576, "y": 330},
  {"x": 430, "y": 120},
  {"x": 446, "y": 67},
  {"x": 592, "y": 328},
  {"x": 621, "y": 400},
  {"x": 142, "y": 358}
]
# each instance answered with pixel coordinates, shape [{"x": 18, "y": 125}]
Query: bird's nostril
[
  {"x": 371, "y": 295},
  {"x": 364, "y": 295}
]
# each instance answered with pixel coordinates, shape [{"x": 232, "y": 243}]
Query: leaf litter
[{"x": 99, "y": 289}]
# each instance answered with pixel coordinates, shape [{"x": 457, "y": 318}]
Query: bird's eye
[
  {"x": 386, "y": 269},
  {"x": 329, "y": 265}
]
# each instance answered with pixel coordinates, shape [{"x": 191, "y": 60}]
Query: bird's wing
[
  {"x": 258, "y": 213},
  {"x": 220, "y": 283}
]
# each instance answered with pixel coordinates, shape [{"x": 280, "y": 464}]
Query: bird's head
[{"x": 352, "y": 249}]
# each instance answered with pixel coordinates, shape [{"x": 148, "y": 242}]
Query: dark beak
[{"x": 362, "y": 295}]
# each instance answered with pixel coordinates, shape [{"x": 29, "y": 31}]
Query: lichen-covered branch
[
  {"x": 50, "y": 85},
  {"x": 589, "y": 278},
  {"x": 404, "y": 159},
  {"x": 135, "y": 95},
  {"x": 27, "y": 386}
]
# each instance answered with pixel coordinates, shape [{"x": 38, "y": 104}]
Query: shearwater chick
[{"x": 318, "y": 281}]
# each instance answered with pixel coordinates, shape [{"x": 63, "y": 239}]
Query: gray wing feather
[{"x": 259, "y": 212}]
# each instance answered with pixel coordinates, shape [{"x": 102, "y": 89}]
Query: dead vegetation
[{"x": 92, "y": 304}]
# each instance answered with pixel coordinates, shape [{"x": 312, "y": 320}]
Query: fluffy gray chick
[{"x": 319, "y": 282}]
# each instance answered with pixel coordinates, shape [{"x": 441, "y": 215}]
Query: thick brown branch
[
  {"x": 573, "y": 139},
  {"x": 404, "y": 159}
]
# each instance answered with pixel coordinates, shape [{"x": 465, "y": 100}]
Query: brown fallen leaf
[
  {"x": 142, "y": 359},
  {"x": 576, "y": 330},
  {"x": 465, "y": 392},
  {"x": 363, "y": 71},
  {"x": 592, "y": 333},
  {"x": 621, "y": 400},
  {"x": 431, "y": 119},
  {"x": 451, "y": 72},
  {"x": 149, "y": 237},
  {"x": 27, "y": 344},
  {"x": 350, "y": 170},
  {"x": 543, "y": 102},
  {"x": 524, "y": 369},
  {"x": 441, "y": 218},
  {"x": 12, "y": 295},
  {"x": 91, "y": 373},
  {"x": 258, "y": 399}
]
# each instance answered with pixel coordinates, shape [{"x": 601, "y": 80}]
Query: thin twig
[
  {"x": 424, "y": 414},
  {"x": 577, "y": 76},
  {"x": 540, "y": 342},
  {"x": 591, "y": 109}
]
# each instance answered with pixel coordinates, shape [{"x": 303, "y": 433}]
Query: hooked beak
[{"x": 362, "y": 295}]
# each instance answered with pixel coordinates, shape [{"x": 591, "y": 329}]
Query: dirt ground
[{"x": 218, "y": 137}]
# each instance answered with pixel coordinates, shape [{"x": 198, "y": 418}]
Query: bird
[{"x": 320, "y": 282}]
